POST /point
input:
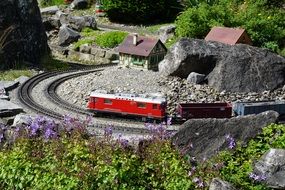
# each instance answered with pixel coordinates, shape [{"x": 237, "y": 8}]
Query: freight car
[
  {"x": 204, "y": 110},
  {"x": 246, "y": 108},
  {"x": 153, "y": 106}
]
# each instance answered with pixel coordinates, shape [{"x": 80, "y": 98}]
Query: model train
[{"x": 152, "y": 106}]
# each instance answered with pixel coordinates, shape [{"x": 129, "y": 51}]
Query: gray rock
[
  {"x": 49, "y": 10},
  {"x": 85, "y": 48},
  {"x": 195, "y": 78},
  {"x": 272, "y": 165},
  {"x": 218, "y": 184},
  {"x": 78, "y": 22},
  {"x": 67, "y": 35},
  {"x": 79, "y": 4},
  {"x": 2, "y": 122},
  {"x": 166, "y": 32},
  {"x": 9, "y": 85},
  {"x": 9, "y": 109},
  {"x": 21, "y": 22},
  {"x": 22, "y": 79},
  {"x": 230, "y": 68},
  {"x": 21, "y": 119},
  {"x": 208, "y": 136},
  {"x": 51, "y": 23}
]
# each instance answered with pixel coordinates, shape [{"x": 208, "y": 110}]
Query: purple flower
[
  {"x": 124, "y": 142},
  {"x": 195, "y": 180},
  {"x": 67, "y": 120},
  {"x": 231, "y": 141},
  {"x": 169, "y": 121},
  {"x": 34, "y": 127},
  {"x": 108, "y": 131},
  {"x": 257, "y": 178},
  {"x": 1, "y": 137},
  {"x": 49, "y": 133}
]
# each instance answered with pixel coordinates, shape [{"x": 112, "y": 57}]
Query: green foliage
[
  {"x": 50, "y": 64},
  {"x": 77, "y": 44},
  {"x": 110, "y": 39},
  {"x": 140, "y": 11},
  {"x": 13, "y": 74},
  {"x": 47, "y": 3},
  {"x": 45, "y": 158},
  {"x": 103, "y": 39},
  {"x": 263, "y": 20},
  {"x": 197, "y": 21},
  {"x": 238, "y": 164}
]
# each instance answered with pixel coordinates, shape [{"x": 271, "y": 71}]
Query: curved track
[{"x": 25, "y": 97}]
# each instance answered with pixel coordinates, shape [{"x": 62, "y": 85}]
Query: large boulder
[
  {"x": 67, "y": 35},
  {"x": 218, "y": 184},
  {"x": 271, "y": 166},
  {"x": 49, "y": 10},
  {"x": 8, "y": 108},
  {"x": 166, "y": 32},
  {"x": 24, "y": 36},
  {"x": 203, "y": 138},
  {"x": 237, "y": 68},
  {"x": 78, "y": 22}
]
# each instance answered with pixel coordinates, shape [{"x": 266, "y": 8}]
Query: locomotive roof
[{"x": 151, "y": 98}]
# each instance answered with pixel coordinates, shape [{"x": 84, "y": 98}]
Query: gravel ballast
[{"x": 127, "y": 80}]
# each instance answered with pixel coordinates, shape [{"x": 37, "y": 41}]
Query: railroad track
[{"x": 25, "y": 97}]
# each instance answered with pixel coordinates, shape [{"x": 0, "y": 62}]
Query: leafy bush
[
  {"x": 47, "y": 155},
  {"x": 77, "y": 44},
  {"x": 140, "y": 11},
  {"x": 110, "y": 39},
  {"x": 197, "y": 21}
]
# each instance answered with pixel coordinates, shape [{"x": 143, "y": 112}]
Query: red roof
[
  {"x": 227, "y": 35},
  {"x": 143, "y": 47}
]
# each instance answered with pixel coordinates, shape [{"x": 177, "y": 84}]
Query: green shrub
[
  {"x": 77, "y": 44},
  {"x": 110, "y": 39},
  {"x": 196, "y": 22},
  {"x": 140, "y": 11}
]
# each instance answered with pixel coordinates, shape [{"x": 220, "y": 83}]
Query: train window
[
  {"x": 141, "y": 105},
  {"x": 107, "y": 101},
  {"x": 154, "y": 106}
]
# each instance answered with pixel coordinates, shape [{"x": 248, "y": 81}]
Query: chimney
[{"x": 135, "y": 39}]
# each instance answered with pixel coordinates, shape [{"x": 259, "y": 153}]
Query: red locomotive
[
  {"x": 153, "y": 106},
  {"x": 143, "y": 105}
]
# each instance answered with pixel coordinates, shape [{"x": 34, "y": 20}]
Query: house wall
[{"x": 149, "y": 63}]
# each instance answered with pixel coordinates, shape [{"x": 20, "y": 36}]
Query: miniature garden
[{"x": 42, "y": 153}]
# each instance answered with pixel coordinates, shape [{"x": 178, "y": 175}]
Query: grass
[
  {"x": 13, "y": 74},
  {"x": 107, "y": 39},
  {"x": 155, "y": 28},
  {"x": 51, "y": 64}
]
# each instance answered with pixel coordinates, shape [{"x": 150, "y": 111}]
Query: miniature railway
[{"x": 25, "y": 90}]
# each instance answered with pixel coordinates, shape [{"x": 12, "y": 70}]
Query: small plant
[
  {"x": 110, "y": 39},
  {"x": 77, "y": 45}
]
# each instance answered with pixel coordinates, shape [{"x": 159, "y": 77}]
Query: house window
[
  {"x": 141, "y": 105},
  {"x": 107, "y": 101},
  {"x": 154, "y": 106},
  {"x": 138, "y": 60}
]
